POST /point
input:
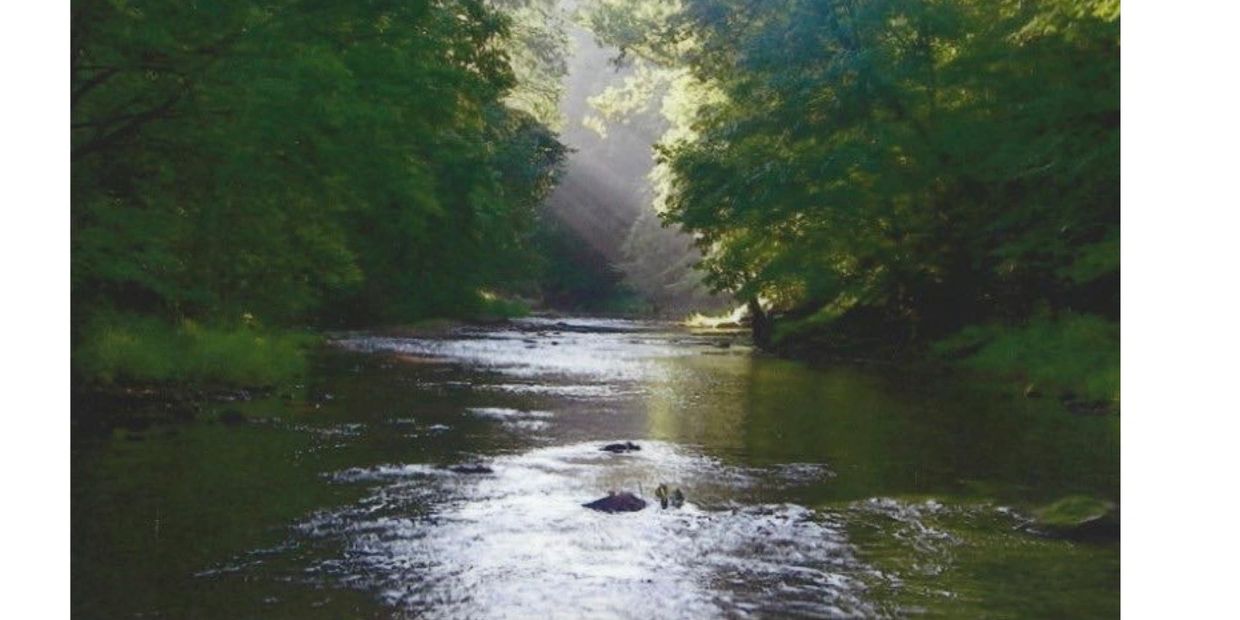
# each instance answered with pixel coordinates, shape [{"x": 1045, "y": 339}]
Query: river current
[{"x": 445, "y": 476}]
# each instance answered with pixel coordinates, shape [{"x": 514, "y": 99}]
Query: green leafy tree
[
  {"x": 894, "y": 169},
  {"x": 298, "y": 160}
]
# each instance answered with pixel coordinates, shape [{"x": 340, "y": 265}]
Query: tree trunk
[{"x": 761, "y": 324}]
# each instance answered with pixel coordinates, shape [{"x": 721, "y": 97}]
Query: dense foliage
[
  {"x": 890, "y": 171},
  {"x": 298, "y": 161}
]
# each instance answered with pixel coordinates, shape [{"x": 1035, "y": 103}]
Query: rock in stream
[{"x": 617, "y": 502}]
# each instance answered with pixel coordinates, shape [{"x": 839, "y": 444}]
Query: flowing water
[{"x": 830, "y": 492}]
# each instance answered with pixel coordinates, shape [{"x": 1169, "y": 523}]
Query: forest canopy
[
  {"x": 298, "y": 161},
  {"x": 892, "y": 171}
]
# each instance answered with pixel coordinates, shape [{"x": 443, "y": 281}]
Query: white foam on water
[{"x": 505, "y": 413}]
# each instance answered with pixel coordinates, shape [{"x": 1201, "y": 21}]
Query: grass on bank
[
  {"x": 1076, "y": 354},
  {"x": 148, "y": 350},
  {"x": 495, "y": 306}
]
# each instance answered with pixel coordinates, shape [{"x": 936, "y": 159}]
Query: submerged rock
[
  {"x": 617, "y": 502},
  {"x": 471, "y": 469},
  {"x": 1087, "y": 407},
  {"x": 617, "y": 448},
  {"x": 589, "y": 329},
  {"x": 1078, "y": 516},
  {"x": 231, "y": 417}
]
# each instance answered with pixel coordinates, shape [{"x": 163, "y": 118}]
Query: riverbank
[
  {"x": 146, "y": 350},
  {"x": 1074, "y": 358},
  {"x": 132, "y": 371},
  {"x": 136, "y": 372}
]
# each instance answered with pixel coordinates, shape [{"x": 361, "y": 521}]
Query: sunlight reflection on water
[
  {"x": 519, "y": 543},
  {"x": 534, "y": 348}
]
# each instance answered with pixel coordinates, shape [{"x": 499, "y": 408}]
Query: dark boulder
[
  {"x": 618, "y": 448},
  {"x": 231, "y": 417},
  {"x": 471, "y": 469},
  {"x": 617, "y": 502}
]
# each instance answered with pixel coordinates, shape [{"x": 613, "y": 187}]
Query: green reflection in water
[
  {"x": 909, "y": 438},
  {"x": 149, "y": 515},
  {"x": 884, "y": 434}
]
